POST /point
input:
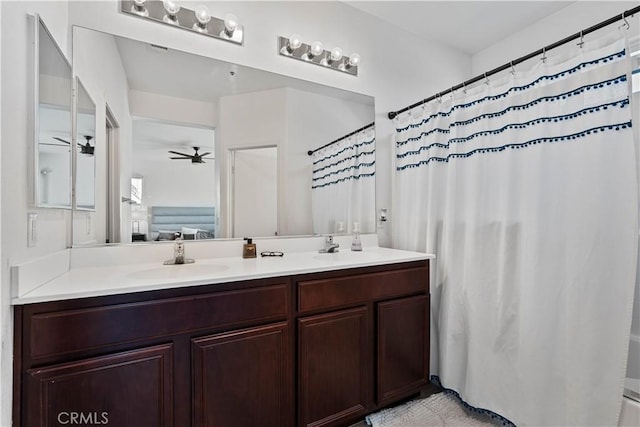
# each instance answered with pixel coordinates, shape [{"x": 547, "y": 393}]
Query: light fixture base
[
  {"x": 323, "y": 59},
  {"x": 185, "y": 19}
]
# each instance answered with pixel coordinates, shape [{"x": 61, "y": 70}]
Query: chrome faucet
[
  {"x": 178, "y": 254},
  {"x": 329, "y": 246}
]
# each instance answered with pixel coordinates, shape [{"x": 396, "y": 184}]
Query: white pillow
[{"x": 186, "y": 230}]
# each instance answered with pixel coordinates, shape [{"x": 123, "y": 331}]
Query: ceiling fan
[
  {"x": 195, "y": 157},
  {"x": 87, "y": 148}
]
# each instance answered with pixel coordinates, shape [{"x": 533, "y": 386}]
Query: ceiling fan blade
[
  {"x": 181, "y": 158},
  {"x": 205, "y": 154},
  {"x": 61, "y": 140},
  {"x": 180, "y": 154},
  {"x": 52, "y": 144}
]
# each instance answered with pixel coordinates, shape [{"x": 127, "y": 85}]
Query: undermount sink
[
  {"x": 348, "y": 256},
  {"x": 178, "y": 271}
]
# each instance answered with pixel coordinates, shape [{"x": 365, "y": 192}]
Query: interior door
[{"x": 254, "y": 192}]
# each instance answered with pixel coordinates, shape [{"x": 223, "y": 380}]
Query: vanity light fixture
[
  {"x": 198, "y": 20},
  {"x": 315, "y": 53},
  {"x": 139, "y": 8}
]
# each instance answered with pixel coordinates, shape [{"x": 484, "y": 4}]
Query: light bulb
[
  {"x": 336, "y": 54},
  {"x": 202, "y": 15},
  {"x": 294, "y": 41},
  {"x": 230, "y": 24},
  {"x": 354, "y": 60},
  {"x": 171, "y": 6},
  {"x": 316, "y": 48}
]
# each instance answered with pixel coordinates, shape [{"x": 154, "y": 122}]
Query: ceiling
[
  {"x": 467, "y": 26},
  {"x": 157, "y": 69}
]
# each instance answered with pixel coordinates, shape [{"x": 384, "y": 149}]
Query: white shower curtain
[
  {"x": 525, "y": 189},
  {"x": 343, "y": 185}
]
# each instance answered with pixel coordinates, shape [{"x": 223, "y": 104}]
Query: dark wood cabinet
[
  {"x": 334, "y": 361},
  {"x": 363, "y": 342},
  {"x": 133, "y": 388},
  {"x": 243, "y": 378},
  {"x": 403, "y": 347},
  {"x": 320, "y": 349},
  {"x": 218, "y": 355}
]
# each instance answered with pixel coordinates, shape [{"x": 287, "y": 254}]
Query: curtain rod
[
  {"x": 310, "y": 152},
  {"x": 510, "y": 64}
]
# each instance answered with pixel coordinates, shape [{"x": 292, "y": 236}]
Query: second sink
[{"x": 178, "y": 271}]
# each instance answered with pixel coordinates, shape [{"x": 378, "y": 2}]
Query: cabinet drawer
[
  {"x": 62, "y": 332},
  {"x": 360, "y": 288}
]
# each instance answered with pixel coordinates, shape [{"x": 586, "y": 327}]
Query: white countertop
[{"x": 115, "y": 279}]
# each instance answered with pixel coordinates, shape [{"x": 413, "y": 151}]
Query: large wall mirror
[
  {"x": 186, "y": 126},
  {"x": 52, "y": 121}
]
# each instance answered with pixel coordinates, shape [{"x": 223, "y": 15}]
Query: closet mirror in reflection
[
  {"x": 180, "y": 122},
  {"x": 52, "y": 121}
]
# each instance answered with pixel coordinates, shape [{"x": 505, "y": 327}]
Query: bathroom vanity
[{"x": 321, "y": 343}]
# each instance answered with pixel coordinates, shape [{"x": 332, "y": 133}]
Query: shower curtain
[
  {"x": 343, "y": 185},
  {"x": 525, "y": 189}
]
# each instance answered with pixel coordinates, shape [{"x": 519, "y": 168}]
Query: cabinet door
[
  {"x": 243, "y": 378},
  {"x": 133, "y": 388},
  {"x": 334, "y": 363},
  {"x": 403, "y": 347}
]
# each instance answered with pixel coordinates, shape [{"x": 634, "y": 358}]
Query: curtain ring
[
  {"x": 625, "y": 24},
  {"x": 486, "y": 79},
  {"x": 581, "y": 43},
  {"x": 544, "y": 55},
  {"x": 513, "y": 69},
  {"x": 439, "y": 97},
  {"x": 464, "y": 88}
]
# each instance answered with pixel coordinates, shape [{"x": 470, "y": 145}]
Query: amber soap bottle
[{"x": 249, "y": 248}]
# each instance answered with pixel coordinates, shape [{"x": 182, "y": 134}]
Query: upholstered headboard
[{"x": 173, "y": 218}]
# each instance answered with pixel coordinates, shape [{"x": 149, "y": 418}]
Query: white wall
[
  {"x": 250, "y": 120},
  {"x": 173, "y": 182},
  {"x": 566, "y": 22},
  {"x": 172, "y": 109},
  {"x": 98, "y": 65},
  {"x": 16, "y": 137}
]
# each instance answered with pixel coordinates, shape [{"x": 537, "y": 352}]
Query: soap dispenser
[
  {"x": 356, "y": 245},
  {"x": 249, "y": 248}
]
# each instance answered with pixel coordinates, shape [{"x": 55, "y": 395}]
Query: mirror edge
[{"x": 74, "y": 143}]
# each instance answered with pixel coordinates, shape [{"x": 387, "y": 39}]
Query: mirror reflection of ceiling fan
[
  {"x": 87, "y": 148},
  {"x": 195, "y": 157}
]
